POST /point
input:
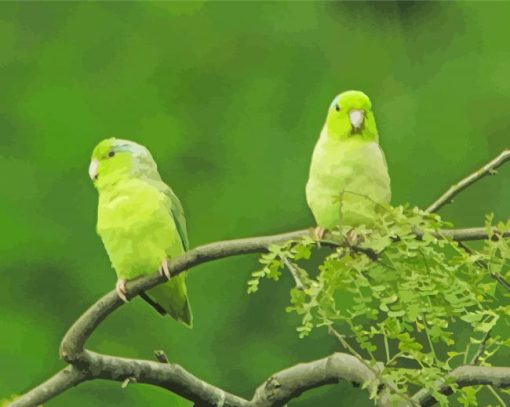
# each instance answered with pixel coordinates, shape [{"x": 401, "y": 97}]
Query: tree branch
[
  {"x": 75, "y": 338},
  {"x": 481, "y": 349},
  {"x": 447, "y": 197},
  {"x": 290, "y": 383},
  {"x": 63, "y": 380},
  {"x": 275, "y": 391},
  {"x": 169, "y": 376},
  {"x": 468, "y": 234},
  {"x": 454, "y": 190},
  {"x": 467, "y": 376},
  {"x": 88, "y": 365}
]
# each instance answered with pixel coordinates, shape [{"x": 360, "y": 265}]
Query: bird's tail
[{"x": 173, "y": 299}]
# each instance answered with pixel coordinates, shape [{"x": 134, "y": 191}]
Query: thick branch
[
  {"x": 63, "y": 380},
  {"x": 454, "y": 190},
  {"x": 467, "y": 376},
  {"x": 275, "y": 391},
  {"x": 169, "y": 376},
  {"x": 91, "y": 365},
  {"x": 290, "y": 383},
  {"x": 468, "y": 234},
  {"x": 75, "y": 338}
]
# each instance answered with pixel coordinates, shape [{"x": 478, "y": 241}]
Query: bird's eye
[
  {"x": 111, "y": 153},
  {"x": 337, "y": 108}
]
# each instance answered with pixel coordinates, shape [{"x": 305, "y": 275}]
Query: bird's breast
[
  {"x": 135, "y": 208},
  {"x": 347, "y": 166},
  {"x": 136, "y": 228}
]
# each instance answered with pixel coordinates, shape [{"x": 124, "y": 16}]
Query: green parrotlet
[
  {"x": 141, "y": 222},
  {"x": 349, "y": 180}
]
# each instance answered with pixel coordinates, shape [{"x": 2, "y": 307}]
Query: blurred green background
[{"x": 230, "y": 99}]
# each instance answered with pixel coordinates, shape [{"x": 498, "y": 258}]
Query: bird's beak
[
  {"x": 356, "y": 117},
  {"x": 93, "y": 170}
]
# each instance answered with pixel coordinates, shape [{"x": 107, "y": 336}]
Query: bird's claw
[
  {"x": 318, "y": 233},
  {"x": 353, "y": 238},
  {"x": 163, "y": 269},
  {"x": 120, "y": 288}
]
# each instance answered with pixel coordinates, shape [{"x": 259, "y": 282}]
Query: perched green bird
[
  {"x": 141, "y": 222},
  {"x": 349, "y": 178}
]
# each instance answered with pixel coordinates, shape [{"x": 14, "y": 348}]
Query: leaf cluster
[{"x": 400, "y": 290}]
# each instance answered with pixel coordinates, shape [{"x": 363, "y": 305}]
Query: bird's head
[
  {"x": 116, "y": 159},
  {"x": 350, "y": 114}
]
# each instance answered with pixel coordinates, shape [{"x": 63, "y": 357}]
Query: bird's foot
[
  {"x": 318, "y": 233},
  {"x": 163, "y": 269},
  {"x": 121, "y": 290},
  {"x": 353, "y": 238}
]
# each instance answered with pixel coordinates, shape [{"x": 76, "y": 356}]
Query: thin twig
[
  {"x": 481, "y": 348},
  {"x": 454, "y": 190},
  {"x": 429, "y": 339},
  {"x": 345, "y": 344},
  {"x": 295, "y": 273},
  {"x": 496, "y": 395},
  {"x": 484, "y": 266},
  {"x": 386, "y": 348},
  {"x": 375, "y": 370}
]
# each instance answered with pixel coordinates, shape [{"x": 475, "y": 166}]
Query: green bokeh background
[{"x": 230, "y": 99}]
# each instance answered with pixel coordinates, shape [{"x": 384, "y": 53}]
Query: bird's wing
[
  {"x": 171, "y": 297},
  {"x": 178, "y": 215},
  {"x": 175, "y": 209},
  {"x": 383, "y": 157}
]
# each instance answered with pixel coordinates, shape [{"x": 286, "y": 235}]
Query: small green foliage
[
  {"x": 272, "y": 263},
  {"x": 467, "y": 396},
  {"x": 394, "y": 294}
]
